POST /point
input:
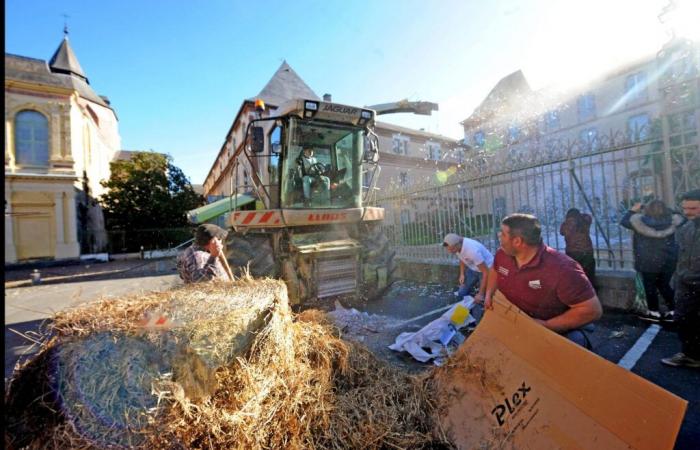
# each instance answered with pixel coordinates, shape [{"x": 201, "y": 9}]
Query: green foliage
[{"x": 147, "y": 192}]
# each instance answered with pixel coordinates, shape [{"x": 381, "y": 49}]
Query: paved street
[
  {"x": 614, "y": 335},
  {"x": 408, "y": 306},
  {"x": 27, "y": 307}
]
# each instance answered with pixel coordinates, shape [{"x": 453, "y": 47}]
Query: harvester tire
[{"x": 250, "y": 251}]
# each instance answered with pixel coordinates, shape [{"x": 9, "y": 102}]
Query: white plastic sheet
[{"x": 425, "y": 344}]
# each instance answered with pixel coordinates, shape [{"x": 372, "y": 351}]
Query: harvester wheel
[{"x": 242, "y": 250}]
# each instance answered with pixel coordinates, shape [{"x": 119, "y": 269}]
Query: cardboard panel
[{"x": 516, "y": 385}]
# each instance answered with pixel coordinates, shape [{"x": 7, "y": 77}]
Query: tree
[{"x": 147, "y": 192}]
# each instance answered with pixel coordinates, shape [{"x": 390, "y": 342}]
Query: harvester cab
[{"x": 313, "y": 153}]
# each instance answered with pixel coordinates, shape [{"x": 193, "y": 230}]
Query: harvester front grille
[{"x": 336, "y": 275}]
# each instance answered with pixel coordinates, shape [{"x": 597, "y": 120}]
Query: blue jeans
[
  {"x": 578, "y": 336},
  {"x": 308, "y": 181},
  {"x": 472, "y": 279}
]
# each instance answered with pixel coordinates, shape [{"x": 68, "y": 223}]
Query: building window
[
  {"x": 589, "y": 139},
  {"x": 479, "y": 139},
  {"x": 513, "y": 134},
  {"x": 31, "y": 139},
  {"x": 638, "y": 127},
  {"x": 459, "y": 155},
  {"x": 434, "y": 151},
  {"x": 586, "y": 107},
  {"x": 551, "y": 120},
  {"x": 403, "y": 179},
  {"x": 636, "y": 87},
  {"x": 399, "y": 144}
]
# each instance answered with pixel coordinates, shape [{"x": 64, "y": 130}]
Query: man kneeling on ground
[
  {"x": 547, "y": 285},
  {"x": 200, "y": 262}
]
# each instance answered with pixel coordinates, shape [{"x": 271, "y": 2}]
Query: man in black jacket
[{"x": 687, "y": 279}]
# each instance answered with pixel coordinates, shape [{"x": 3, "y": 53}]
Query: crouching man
[
  {"x": 547, "y": 285},
  {"x": 200, "y": 262}
]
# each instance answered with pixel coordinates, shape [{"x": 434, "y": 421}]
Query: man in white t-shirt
[{"x": 473, "y": 255}]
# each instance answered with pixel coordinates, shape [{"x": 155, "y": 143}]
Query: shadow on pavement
[
  {"x": 95, "y": 272},
  {"x": 21, "y": 343}
]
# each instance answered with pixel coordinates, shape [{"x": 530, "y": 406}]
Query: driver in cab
[{"x": 311, "y": 173}]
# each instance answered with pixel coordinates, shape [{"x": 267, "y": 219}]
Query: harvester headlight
[
  {"x": 311, "y": 106},
  {"x": 366, "y": 114}
]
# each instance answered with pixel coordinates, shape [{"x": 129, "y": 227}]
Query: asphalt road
[
  {"x": 27, "y": 307},
  {"x": 612, "y": 337}
]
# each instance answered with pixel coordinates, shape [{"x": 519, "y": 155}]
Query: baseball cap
[
  {"x": 452, "y": 239},
  {"x": 205, "y": 232}
]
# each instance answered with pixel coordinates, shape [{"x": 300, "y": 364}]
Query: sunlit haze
[{"x": 176, "y": 72}]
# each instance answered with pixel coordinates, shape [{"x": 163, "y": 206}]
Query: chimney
[{"x": 327, "y": 98}]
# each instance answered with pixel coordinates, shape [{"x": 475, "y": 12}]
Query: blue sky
[{"x": 176, "y": 71}]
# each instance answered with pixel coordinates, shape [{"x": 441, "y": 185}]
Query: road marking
[
  {"x": 429, "y": 313},
  {"x": 633, "y": 354}
]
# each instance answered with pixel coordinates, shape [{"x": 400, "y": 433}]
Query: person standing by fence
[
  {"x": 687, "y": 284},
  {"x": 655, "y": 254},
  {"x": 576, "y": 230}
]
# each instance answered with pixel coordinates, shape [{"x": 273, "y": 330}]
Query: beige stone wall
[
  {"x": 94, "y": 144},
  {"x": 41, "y": 216},
  {"x": 613, "y": 109},
  {"x": 413, "y": 163}
]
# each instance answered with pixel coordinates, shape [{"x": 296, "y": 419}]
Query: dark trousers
[
  {"x": 687, "y": 319},
  {"x": 587, "y": 262},
  {"x": 655, "y": 283}
]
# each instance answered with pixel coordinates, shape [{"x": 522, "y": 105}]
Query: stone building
[
  {"x": 60, "y": 137},
  {"x": 648, "y": 109}
]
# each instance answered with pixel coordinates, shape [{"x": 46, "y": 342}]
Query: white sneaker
[{"x": 650, "y": 316}]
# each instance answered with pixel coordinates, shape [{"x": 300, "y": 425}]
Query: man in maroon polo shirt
[{"x": 547, "y": 285}]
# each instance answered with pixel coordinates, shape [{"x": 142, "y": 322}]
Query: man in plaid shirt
[{"x": 200, "y": 262}]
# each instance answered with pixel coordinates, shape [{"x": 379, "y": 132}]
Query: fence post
[
  {"x": 667, "y": 164},
  {"x": 572, "y": 197},
  {"x": 439, "y": 209}
]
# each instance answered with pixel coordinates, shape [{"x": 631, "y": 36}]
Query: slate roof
[
  {"x": 503, "y": 100},
  {"x": 65, "y": 61},
  {"x": 285, "y": 85},
  {"x": 62, "y": 71}
]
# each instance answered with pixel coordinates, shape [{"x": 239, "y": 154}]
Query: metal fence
[
  {"x": 603, "y": 177},
  {"x": 127, "y": 241}
]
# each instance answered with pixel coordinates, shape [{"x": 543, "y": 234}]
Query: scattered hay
[{"x": 297, "y": 385}]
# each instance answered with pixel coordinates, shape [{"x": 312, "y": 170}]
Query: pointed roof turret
[
  {"x": 65, "y": 61},
  {"x": 285, "y": 85}
]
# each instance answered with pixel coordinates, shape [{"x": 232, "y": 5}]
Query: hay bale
[
  {"x": 107, "y": 384},
  {"x": 101, "y": 368}
]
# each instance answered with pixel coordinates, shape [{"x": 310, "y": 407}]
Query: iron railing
[{"x": 603, "y": 177}]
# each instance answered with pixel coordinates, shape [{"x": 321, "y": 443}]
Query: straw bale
[{"x": 101, "y": 381}]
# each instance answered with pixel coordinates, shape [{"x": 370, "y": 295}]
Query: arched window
[{"x": 31, "y": 139}]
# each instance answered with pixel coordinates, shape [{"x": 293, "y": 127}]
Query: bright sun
[{"x": 683, "y": 18}]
